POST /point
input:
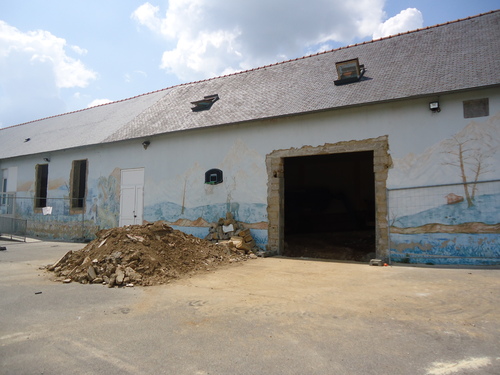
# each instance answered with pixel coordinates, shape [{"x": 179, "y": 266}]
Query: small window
[
  {"x": 204, "y": 104},
  {"x": 78, "y": 183},
  {"x": 3, "y": 200},
  {"x": 349, "y": 71},
  {"x": 476, "y": 108},
  {"x": 41, "y": 185},
  {"x": 213, "y": 176}
]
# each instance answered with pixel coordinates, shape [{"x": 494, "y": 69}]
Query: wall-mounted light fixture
[
  {"x": 47, "y": 160},
  {"x": 146, "y": 144},
  {"x": 434, "y": 106}
]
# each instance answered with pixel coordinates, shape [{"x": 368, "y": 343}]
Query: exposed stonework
[{"x": 275, "y": 188}]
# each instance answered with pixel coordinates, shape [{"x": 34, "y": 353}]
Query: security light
[{"x": 434, "y": 106}]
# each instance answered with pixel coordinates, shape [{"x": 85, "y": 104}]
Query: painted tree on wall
[{"x": 470, "y": 153}]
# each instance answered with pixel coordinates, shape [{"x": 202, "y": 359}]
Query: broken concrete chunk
[
  {"x": 112, "y": 281},
  {"x": 135, "y": 238},
  {"x": 60, "y": 261},
  {"x": 91, "y": 273},
  {"x": 117, "y": 254},
  {"x": 244, "y": 233},
  {"x": 228, "y": 228},
  {"x": 83, "y": 279},
  {"x": 120, "y": 276},
  {"x": 132, "y": 274},
  {"x": 376, "y": 262}
]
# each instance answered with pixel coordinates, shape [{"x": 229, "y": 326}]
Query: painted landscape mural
[
  {"x": 102, "y": 209},
  {"x": 182, "y": 200},
  {"x": 451, "y": 213},
  {"x": 187, "y": 203}
]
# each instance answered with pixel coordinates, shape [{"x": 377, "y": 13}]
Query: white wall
[{"x": 175, "y": 163}]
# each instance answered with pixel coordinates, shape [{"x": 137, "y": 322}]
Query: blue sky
[{"x": 58, "y": 56}]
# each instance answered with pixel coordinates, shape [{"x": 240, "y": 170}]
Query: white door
[{"x": 131, "y": 196}]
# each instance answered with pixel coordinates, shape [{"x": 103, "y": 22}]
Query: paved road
[{"x": 265, "y": 316}]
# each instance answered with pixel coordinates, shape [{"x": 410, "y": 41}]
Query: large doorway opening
[
  {"x": 330, "y": 206},
  {"x": 329, "y": 201}
]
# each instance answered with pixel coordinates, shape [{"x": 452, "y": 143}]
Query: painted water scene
[{"x": 457, "y": 221}]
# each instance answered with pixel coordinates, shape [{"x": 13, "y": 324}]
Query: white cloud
[
  {"x": 79, "y": 51},
  {"x": 406, "y": 20},
  {"x": 42, "y": 47},
  {"x": 35, "y": 66},
  {"x": 97, "y": 102},
  {"x": 209, "y": 38},
  {"x": 147, "y": 15}
]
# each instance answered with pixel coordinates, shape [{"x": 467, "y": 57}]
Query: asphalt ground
[{"x": 265, "y": 316}]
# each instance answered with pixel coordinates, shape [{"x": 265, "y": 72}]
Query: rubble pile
[
  {"x": 229, "y": 231},
  {"x": 148, "y": 254}
]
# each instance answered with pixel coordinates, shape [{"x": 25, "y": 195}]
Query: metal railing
[
  {"x": 57, "y": 219},
  {"x": 13, "y": 228},
  {"x": 445, "y": 223}
]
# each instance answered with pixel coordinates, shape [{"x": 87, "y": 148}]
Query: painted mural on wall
[
  {"x": 102, "y": 208},
  {"x": 452, "y": 212},
  {"x": 105, "y": 207},
  {"x": 187, "y": 203}
]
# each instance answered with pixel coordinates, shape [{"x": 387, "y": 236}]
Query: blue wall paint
[
  {"x": 451, "y": 248},
  {"x": 446, "y": 248}
]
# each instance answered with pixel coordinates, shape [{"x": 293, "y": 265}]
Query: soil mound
[{"x": 148, "y": 254}]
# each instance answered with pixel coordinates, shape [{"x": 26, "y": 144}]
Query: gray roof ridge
[{"x": 260, "y": 67}]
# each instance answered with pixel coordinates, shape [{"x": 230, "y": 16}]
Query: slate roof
[{"x": 456, "y": 56}]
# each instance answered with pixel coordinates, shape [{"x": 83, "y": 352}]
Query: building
[{"x": 388, "y": 148}]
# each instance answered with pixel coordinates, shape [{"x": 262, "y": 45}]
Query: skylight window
[
  {"x": 204, "y": 104},
  {"x": 349, "y": 71}
]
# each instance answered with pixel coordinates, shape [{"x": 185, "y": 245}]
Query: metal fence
[
  {"x": 458, "y": 220},
  {"x": 56, "y": 218},
  {"x": 13, "y": 228}
]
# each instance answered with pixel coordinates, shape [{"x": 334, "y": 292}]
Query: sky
[{"x": 58, "y": 56}]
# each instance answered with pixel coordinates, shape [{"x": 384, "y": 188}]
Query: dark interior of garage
[{"x": 330, "y": 206}]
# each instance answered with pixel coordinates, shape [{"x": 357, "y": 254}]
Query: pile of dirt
[{"x": 148, "y": 254}]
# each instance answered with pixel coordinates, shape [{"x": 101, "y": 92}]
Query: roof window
[
  {"x": 349, "y": 71},
  {"x": 204, "y": 104}
]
